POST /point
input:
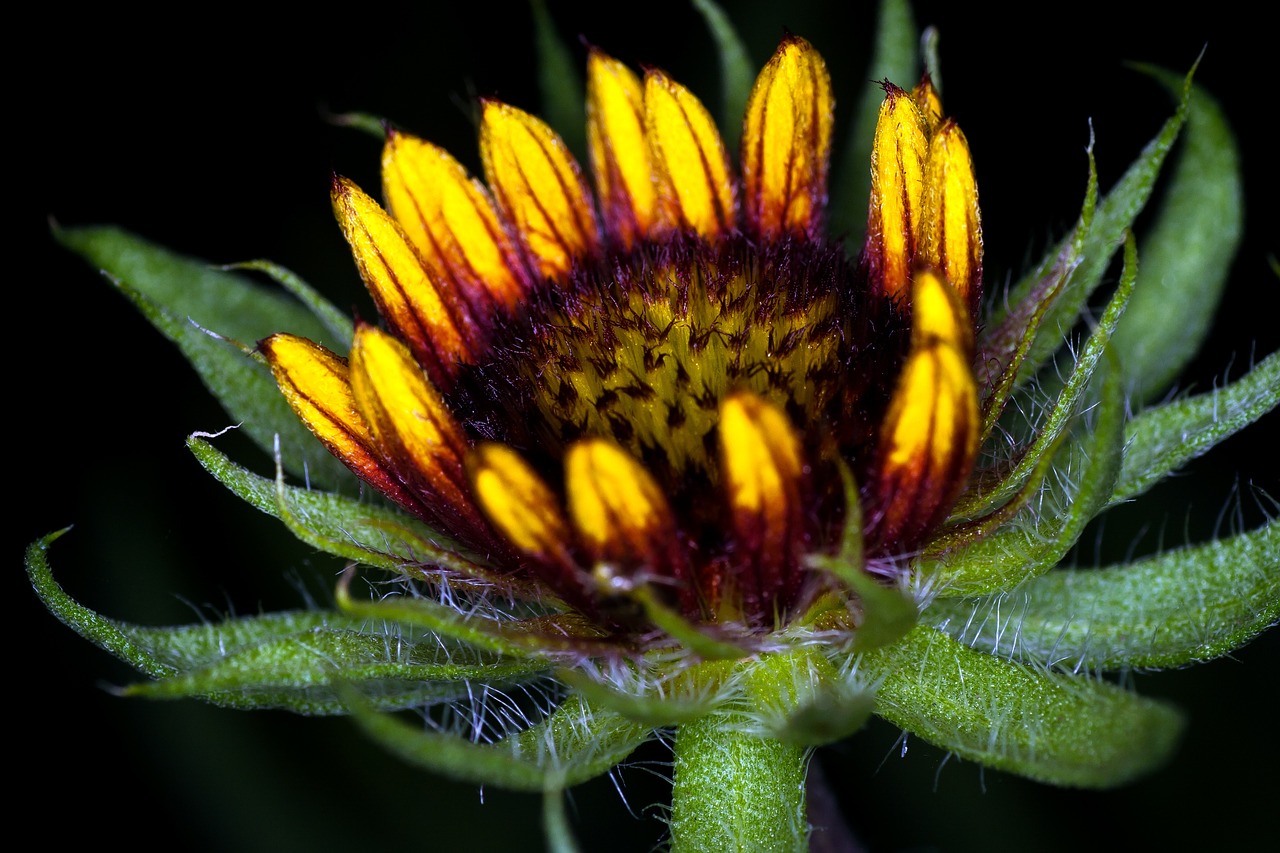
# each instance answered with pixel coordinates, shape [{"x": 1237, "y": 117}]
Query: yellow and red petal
[
  {"x": 898, "y": 157},
  {"x": 929, "y": 436},
  {"x": 450, "y": 220},
  {"x": 695, "y": 186},
  {"x": 539, "y": 188},
  {"x": 428, "y": 318},
  {"x": 762, "y": 465},
  {"x": 928, "y": 102},
  {"x": 786, "y": 143},
  {"x": 619, "y": 148},
  {"x": 951, "y": 224},
  {"x": 412, "y": 425},
  {"x": 316, "y": 384},
  {"x": 619, "y": 512},
  {"x": 518, "y": 503}
]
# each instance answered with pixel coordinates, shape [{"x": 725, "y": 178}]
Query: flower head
[
  {"x": 665, "y": 462},
  {"x": 659, "y": 387}
]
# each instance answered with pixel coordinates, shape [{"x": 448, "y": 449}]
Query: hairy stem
[{"x": 735, "y": 791}]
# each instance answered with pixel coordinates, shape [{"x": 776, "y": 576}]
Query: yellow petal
[
  {"x": 518, "y": 503},
  {"x": 316, "y": 384},
  {"x": 786, "y": 142},
  {"x": 539, "y": 188},
  {"x": 422, "y": 315},
  {"x": 951, "y": 224},
  {"x": 450, "y": 220},
  {"x": 762, "y": 463},
  {"x": 897, "y": 185},
  {"x": 928, "y": 102},
  {"x": 620, "y": 149},
  {"x": 930, "y": 432},
  {"x": 695, "y": 190},
  {"x": 411, "y": 424},
  {"x": 618, "y": 510}
]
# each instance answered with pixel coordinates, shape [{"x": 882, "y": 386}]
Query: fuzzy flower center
[{"x": 642, "y": 348}]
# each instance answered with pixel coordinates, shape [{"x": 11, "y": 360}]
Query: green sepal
[
  {"x": 541, "y": 635},
  {"x": 1004, "y": 346},
  {"x": 689, "y": 694},
  {"x": 355, "y": 530},
  {"x": 215, "y": 318},
  {"x": 1113, "y": 218},
  {"x": 373, "y": 125},
  {"x": 886, "y": 614},
  {"x": 1188, "y": 251},
  {"x": 799, "y": 698},
  {"x": 683, "y": 631},
  {"x": 737, "y": 72},
  {"x": 1134, "y": 615},
  {"x": 1162, "y": 439},
  {"x": 1066, "y": 405},
  {"x": 1056, "y": 728},
  {"x": 1042, "y": 534},
  {"x": 575, "y": 743},
  {"x": 289, "y": 660},
  {"x": 894, "y": 58},
  {"x": 341, "y": 329},
  {"x": 298, "y": 669},
  {"x": 563, "y": 106}
]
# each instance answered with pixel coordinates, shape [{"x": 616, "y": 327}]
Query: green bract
[{"x": 993, "y": 650}]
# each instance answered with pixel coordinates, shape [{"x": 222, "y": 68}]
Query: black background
[{"x": 208, "y": 133}]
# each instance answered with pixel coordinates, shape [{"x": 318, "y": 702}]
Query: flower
[
  {"x": 668, "y": 465},
  {"x": 656, "y": 403}
]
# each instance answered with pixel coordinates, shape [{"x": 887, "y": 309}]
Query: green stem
[{"x": 735, "y": 791}]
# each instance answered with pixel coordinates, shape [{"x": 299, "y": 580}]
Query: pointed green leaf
[
  {"x": 341, "y": 329},
  {"x": 576, "y": 743},
  {"x": 1066, "y": 405},
  {"x": 298, "y": 671},
  {"x": 563, "y": 104},
  {"x": 1049, "y": 525},
  {"x": 1177, "y": 608},
  {"x": 367, "y": 533},
  {"x": 895, "y": 58},
  {"x": 1114, "y": 217},
  {"x": 1004, "y": 346},
  {"x": 1164, "y": 438},
  {"x": 289, "y": 660},
  {"x": 186, "y": 300},
  {"x": 737, "y": 72},
  {"x": 1187, "y": 254},
  {"x": 1052, "y": 727},
  {"x": 104, "y": 633}
]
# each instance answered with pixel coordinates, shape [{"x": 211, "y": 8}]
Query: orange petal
[
  {"x": 695, "y": 190},
  {"x": 620, "y": 149},
  {"x": 424, "y": 316},
  {"x": 763, "y": 464},
  {"x": 412, "y": 425},
  {"x": 450, "y": 221},
  {"x": 786, "y": 143},
  {"x": 897, "y": 186},
  {"x": 539, "y": 188},
  {"x": 929, "y": 436},
  {"x": 316, "y": 384},
  {"x": 951, "y": 224}
]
